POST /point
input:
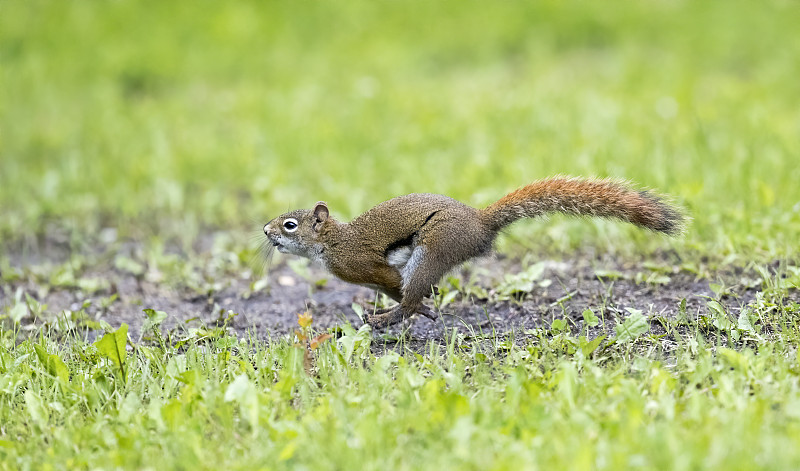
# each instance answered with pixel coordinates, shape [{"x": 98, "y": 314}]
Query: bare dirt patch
[{"x": 565, "y": 289}]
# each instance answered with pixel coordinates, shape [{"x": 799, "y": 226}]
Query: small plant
[
  {"x": 633, "y": 327},
  {"x": 305, "y": 341},
  {"x": 516, "y": 287},
  {"x": 112, "y": 346}
]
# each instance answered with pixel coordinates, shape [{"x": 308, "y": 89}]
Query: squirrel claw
[
  {"x": 427, "y": 312},
  {"x": 383, "y": 318}
]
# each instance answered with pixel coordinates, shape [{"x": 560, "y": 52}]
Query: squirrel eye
[{"x": 290, "y": 225}]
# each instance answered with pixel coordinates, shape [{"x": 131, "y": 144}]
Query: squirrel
[{"x": 405, "y": 245}]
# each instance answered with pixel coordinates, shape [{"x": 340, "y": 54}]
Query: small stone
[{"x": 285, "y": 280}]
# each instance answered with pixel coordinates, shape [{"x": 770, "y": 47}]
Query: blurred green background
[{"x": 167, "y": 118}]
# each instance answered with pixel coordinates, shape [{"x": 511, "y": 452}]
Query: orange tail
[{"x": 585, "y": 197}]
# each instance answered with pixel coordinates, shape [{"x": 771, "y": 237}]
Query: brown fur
[
  {"x": 585, "y": 197},
  {"x": 438, "y": 233}
]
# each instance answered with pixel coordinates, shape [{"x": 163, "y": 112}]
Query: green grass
[
  {"x": 169, "y": 118},
  {"x": 167, "y": 121},
  {"x": 557, "y": 402}
]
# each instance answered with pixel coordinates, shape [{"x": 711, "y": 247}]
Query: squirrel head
[{"x": 298, "y": 232}]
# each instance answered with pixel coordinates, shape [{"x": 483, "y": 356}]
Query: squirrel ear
[{"x": 320, "y": 213}]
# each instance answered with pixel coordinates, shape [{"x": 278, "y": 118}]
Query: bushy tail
[{"x": 585, "y": 197}]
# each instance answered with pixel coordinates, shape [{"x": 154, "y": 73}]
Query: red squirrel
[{"x": 404, "y": 246}]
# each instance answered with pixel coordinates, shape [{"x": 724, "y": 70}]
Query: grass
[
  {"x": 556, "y": 402},
  {"x": 163, "y": 120},
  {"x": 127, "y": 130}
]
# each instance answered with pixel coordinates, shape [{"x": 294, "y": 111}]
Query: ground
[{"x": 489, "y": 296}]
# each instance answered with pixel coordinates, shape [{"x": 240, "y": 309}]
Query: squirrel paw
[
  {"x": 427, "y": 312},
  {"x": 385, "y": 317}
]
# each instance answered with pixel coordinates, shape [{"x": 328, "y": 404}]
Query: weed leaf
[
  {"x": 721, "y": 319},
  {"x": 35, "y": 407},
  {"x": 318, "y": 340},
  {"x": 304, "y": 319},
  {"x": 590, "y": 318},
  {"x": 520, "y": 284},
  {"x": 358, "y": 310},
  {"x": 588, "y": 347},
  {"x": 154, "y": 319},
  {"x": 633, "y": 327},
  {"x": 112, "y": 346},
  {"x": 355, "y": 341},
  {"x": 52, "y": 363},
  {"x": 448, "y": 298},
  {"x": 243, "y": 392},
  {"x": 558, "y": 325},
  {"x": 743, "y": 323},
  {"x": 19, "y": 311}
]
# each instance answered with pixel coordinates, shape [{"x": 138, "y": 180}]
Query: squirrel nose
[{"x": 266, "y": 229}]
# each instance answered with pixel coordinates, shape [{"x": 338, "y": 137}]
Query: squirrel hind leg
[{"x": 420, "y": 274}]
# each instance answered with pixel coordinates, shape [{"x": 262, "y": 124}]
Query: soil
[{"x": 272, "y": 312}]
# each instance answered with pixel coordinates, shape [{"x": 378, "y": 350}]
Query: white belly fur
[
  {"x": 398, "y": 258},
  {"x": 405, "y": 259}
]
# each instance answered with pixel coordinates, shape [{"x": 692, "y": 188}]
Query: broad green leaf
[
  {"x": 226, "y": 342},
  {"x": 735, "y": 359},
  {"x": 190, "y": 377},
  {"x": 243, "y": 392},
  {"x": 355, "y": 342},
  {"x": 590, "y": 318},
  {"x": 743, "y": 323},
  {"x": 35, "y": 308},
  {"x": 33, "y": 403},
  {"x": 129, "y": 407},
  {"x": 92, "y": 285},
  {"x": 609, "y": 274},
  {"x": 387, "y": 360},
  {"x": 567, "y": 383},
  {"x": 129, "y": 265},
  {"x": 52, "y": 363},
  {"x": 720, "y": 317},
  {"x": 238, "y": 389},
  {"x": 112, "y": 346},
  {"x": 793, "y": 277},
  {"x": 634, "y": 327},
  {"x": 588, "y": 347},
  {"x": 558, "y": 325},
  {"x": 448, "y": 298},
  {"x": 18, "y": 311},
  {"x": 521, "y": 283},
  {"x": 658, "y": 279},
  {"x": 154, "y": 319},
  {"x": 535, "y": 271},
  {"x": 171, "y": 413},
  {"x": 288, "y": 451},
  {"x": 358, "y": 310}
]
